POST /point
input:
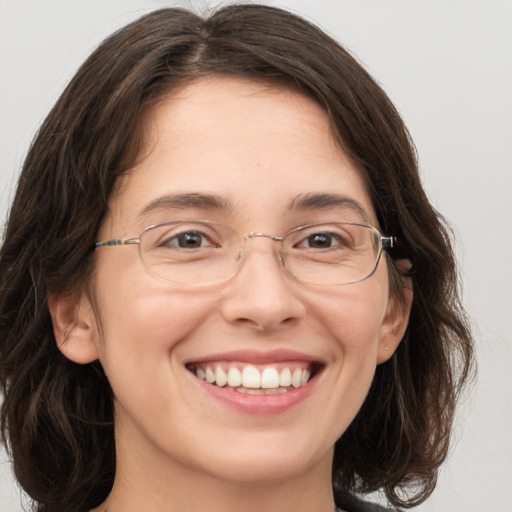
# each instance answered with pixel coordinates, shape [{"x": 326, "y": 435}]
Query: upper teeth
[{"x": 253, "y": 377}]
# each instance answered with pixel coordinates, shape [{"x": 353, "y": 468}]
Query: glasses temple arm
[{"x": 114, "y": 242}]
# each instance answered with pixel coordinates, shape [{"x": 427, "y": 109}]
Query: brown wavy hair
[{"x": 57, "y": 417}]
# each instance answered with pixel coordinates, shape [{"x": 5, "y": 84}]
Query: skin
[{"x": 258, "y": 148}]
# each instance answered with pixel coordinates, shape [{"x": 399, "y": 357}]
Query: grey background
[{"x": 447, "y": 65}]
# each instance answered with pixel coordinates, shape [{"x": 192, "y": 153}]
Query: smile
[
  {"x": 257, "y": 383},
  {"x": 254, "y": 379}
]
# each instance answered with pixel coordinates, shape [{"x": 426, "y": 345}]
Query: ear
[
  {"x": 396, "y": 320},
  {"x": 74, "y": 326}
]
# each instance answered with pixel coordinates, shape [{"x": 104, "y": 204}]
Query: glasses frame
[{"x": 385, "y": 244}]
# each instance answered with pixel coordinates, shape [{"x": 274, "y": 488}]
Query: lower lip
[{"x": 257, "y": 404}]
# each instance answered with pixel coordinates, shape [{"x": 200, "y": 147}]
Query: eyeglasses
[{"x": 192, "y": 252}]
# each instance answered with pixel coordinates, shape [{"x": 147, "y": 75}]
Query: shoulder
[{"x": 349, "y": 503}]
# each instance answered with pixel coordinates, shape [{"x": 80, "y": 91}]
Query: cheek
[
  {"x": 353, "y": 316},
  {"x": 142, "y": 323}
]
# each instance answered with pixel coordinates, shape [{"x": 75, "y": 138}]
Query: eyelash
[
  {"x": 333, "y": 237},
  {"x": 334, "y": 240},
  {"x": 175, "y": 237}
]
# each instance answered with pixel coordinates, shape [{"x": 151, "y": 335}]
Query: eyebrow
[
  {"x": 324, "y": 201},
  {"x": 212, "y": 202},
  {"x": 207, "y": 202}
]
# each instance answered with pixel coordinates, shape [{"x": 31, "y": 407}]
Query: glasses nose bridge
[
  {"x": 262, "y": 235},
  {"x": 274, "y": 238}
]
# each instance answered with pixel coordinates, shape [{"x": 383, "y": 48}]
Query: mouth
[{"x": 256, "y": 379}]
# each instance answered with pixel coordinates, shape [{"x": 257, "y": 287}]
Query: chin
[
  {"x": 266, "y": 461},
  {"x": 250, "y": 471}
]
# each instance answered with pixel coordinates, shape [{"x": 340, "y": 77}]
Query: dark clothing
[{"x": 349, "y": 503}]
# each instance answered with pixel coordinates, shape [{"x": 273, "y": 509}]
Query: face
[{"x": 258, "y": 151}]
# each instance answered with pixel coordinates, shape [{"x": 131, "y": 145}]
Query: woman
[{"x": 222, "y": 285}]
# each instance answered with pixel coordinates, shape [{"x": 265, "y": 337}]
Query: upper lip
[{"x": 256, "y": 356}]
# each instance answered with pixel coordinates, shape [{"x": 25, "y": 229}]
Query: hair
[{"x": 57, "y": 416}]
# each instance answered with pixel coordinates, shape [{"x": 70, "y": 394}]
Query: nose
[{"x": 262, "y": 295}]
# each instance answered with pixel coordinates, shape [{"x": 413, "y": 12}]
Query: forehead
[{"x": 259, "y": 149}]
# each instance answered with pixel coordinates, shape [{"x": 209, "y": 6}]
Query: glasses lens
[
  {"x": 333, "y": 253},
  {"x": 201, "y": 252},
  {"x": 193, "y": 252}
]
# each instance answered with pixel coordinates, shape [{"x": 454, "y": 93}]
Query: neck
[{"x": 149, "y": 480}]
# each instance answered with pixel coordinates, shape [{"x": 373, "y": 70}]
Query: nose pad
[
  {"x": 280, "y": 257},
  {"x": 278, "y": 250},
  {"x": 241, "y": 254}
]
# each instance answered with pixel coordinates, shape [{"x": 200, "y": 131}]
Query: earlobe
[
  {"x": 74, "y": 326},
  {"x": 397, "y": 317}
]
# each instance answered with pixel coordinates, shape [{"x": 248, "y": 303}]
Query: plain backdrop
[{"x": 447, "y": 65}]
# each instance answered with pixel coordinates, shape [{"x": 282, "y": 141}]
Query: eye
[
  {"x": 319, "y": 240},
  {"x": 189, "y": 240},
  {"x": 322, "y": 240}
]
